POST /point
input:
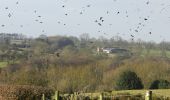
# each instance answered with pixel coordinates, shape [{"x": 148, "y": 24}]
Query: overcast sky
[{"x": 139, "y": 19}]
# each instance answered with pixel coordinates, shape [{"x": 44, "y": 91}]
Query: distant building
[
  {"x": 99, "y": 49},
  {"x": 107, "y": 50},
  {"x": 114, "y": 50}
]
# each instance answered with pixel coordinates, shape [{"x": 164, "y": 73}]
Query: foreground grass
[{"x": 160, "y": 92}]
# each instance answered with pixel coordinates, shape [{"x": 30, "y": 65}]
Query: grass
[
  {"x": 155, "y": 52},
  {"x": 3, "y": 64},
  {"x": 159, "y": 92}
]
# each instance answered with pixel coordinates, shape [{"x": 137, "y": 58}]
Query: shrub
[
  {"x": 23, "y": 92},
  {"x": 160, "y": 84},
  {"x": 128, "y": 80},
  {"x": 164, "y": 84},
  {"x": 154, "y": 84}
]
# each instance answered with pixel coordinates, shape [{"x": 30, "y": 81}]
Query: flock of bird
[{"x": 98, "y": 21}]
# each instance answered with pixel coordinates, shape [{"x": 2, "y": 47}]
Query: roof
[{"x": 108, "y": 48}]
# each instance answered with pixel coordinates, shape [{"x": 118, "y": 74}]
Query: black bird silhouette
[
  {"x": 3, "y": 25},
  {"x": 145, "y": 19},
  {"x": 147, "y": 2},
  {"x": 132, "y": 35},
  {"x": 9, "y": 15},
  {"x": 88, "y": 5},
  {"x": 136, "y": 30},
  {"x": 99, "y": 24},
  {"x": 58, "y": 22},
  {"x": 101, "y": 18},
  {"x": 107, "y": 12},
  {"x": 6, "y": 8}
]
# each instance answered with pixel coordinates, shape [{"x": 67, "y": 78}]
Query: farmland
[
  {"x": 36, "y": 92},
  {"x": 71, "y": 64},
  {"x": 114, "y": 95},
  {"x": 3, "y": 64},
  {"x": 160, "y": 92},
  {"x": 85, "y": 50}
]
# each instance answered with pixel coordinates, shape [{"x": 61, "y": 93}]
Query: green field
[
  {"x": 160, "y": 92},
  {"x": 154, "y": 53},
  {"x": 3, "y": 64}
]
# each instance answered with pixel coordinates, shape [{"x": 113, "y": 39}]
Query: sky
[{"x": 147, "y": 20}]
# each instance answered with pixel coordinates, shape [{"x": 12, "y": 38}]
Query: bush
[
  {"x": 128, "y": 80},
  {"x": 160, "y": 84},
  {"x": 154, "y": 84},
  {"x": 23, "y": 92},
  {"x": 164, "y": 84}
]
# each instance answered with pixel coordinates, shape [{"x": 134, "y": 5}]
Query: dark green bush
[
  {"x": 154, "y": 84},
  {"x": 160, "y": 84},
  {"x": 128, "y": 80},
  {"x": 164, "y": 84}
]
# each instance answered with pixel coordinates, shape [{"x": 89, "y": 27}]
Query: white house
[{"x": 107, "y": 50}]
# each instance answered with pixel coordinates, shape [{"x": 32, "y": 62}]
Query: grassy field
[
  {"x": 3, "y": 64},
  {"x": 154, "y": 53},
  {"x": 160, "y": 92}
]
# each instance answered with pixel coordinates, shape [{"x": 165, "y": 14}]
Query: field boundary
[{"x": 145, "y": 95}]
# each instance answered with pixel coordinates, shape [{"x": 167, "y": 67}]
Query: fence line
[{"x": 99, "y": 96}]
